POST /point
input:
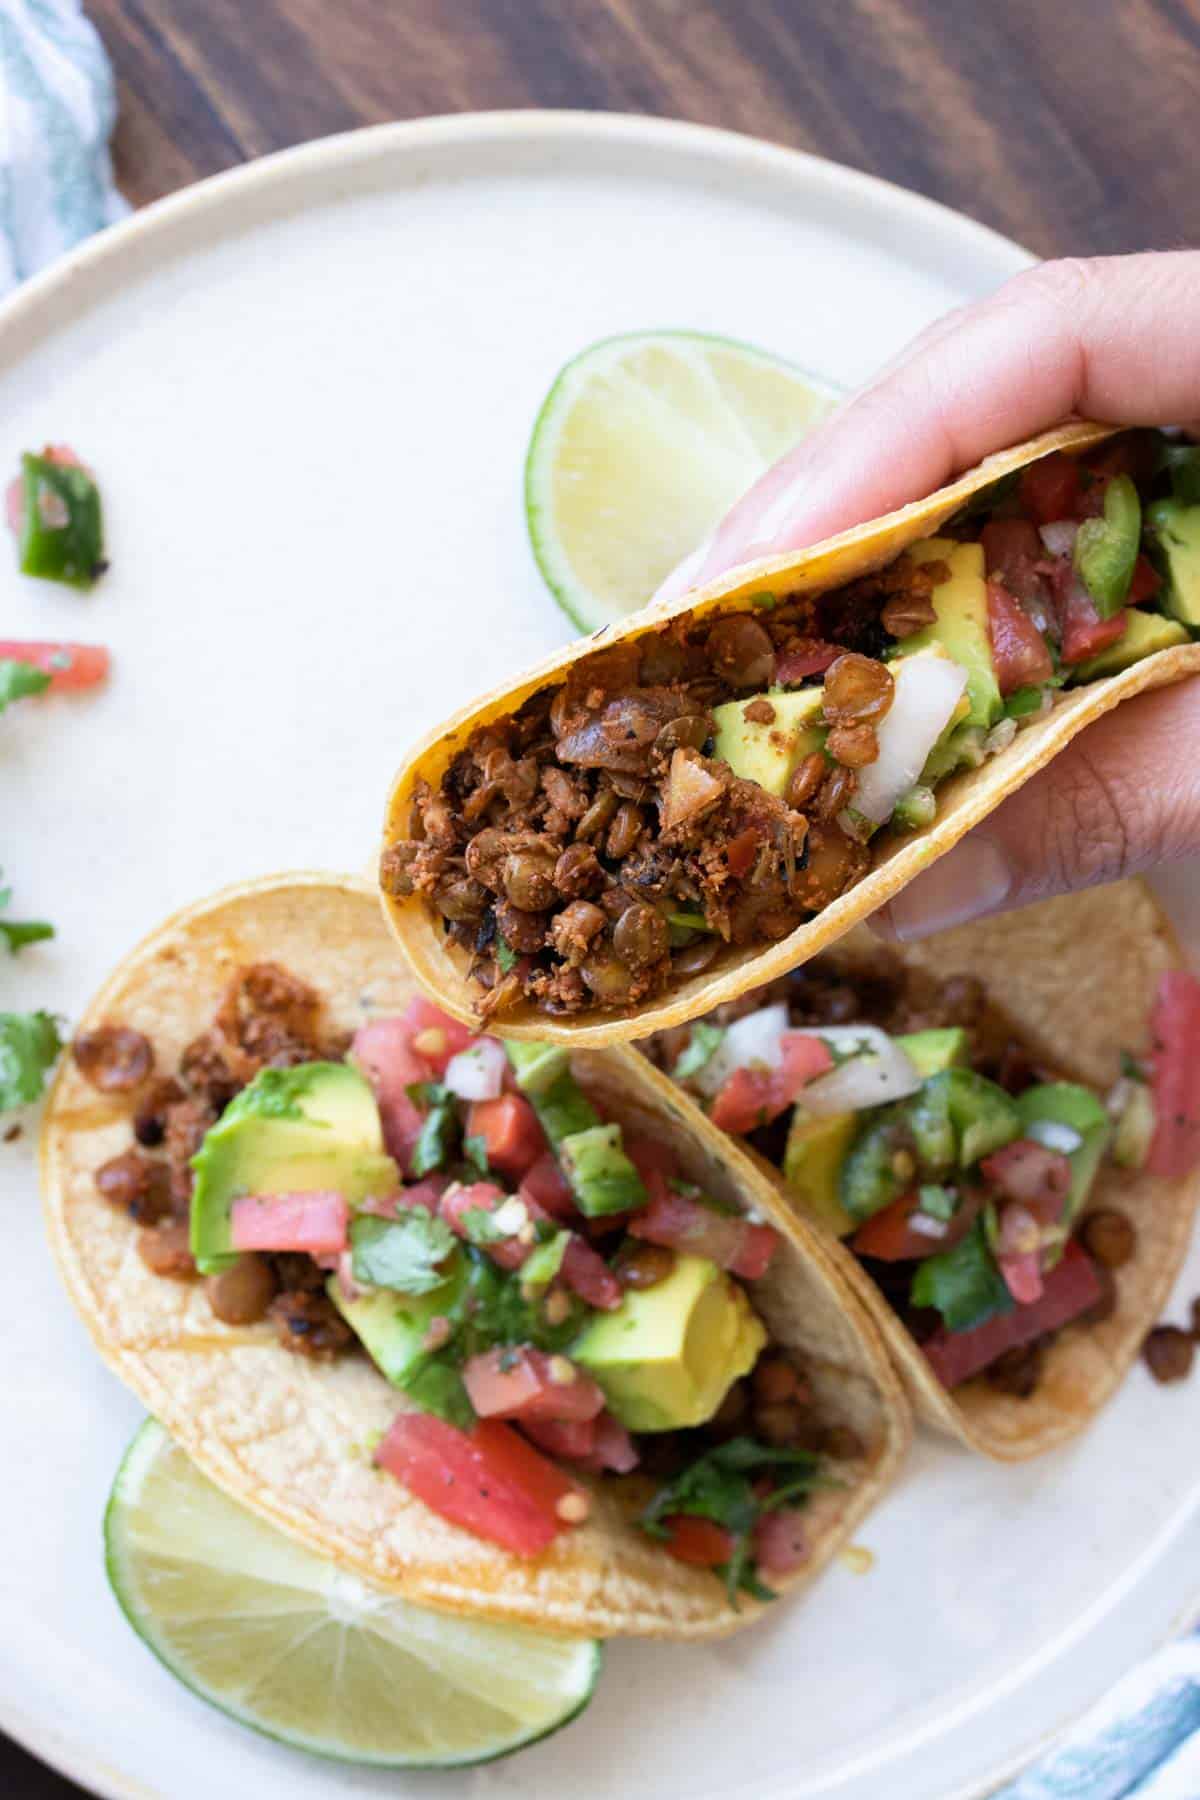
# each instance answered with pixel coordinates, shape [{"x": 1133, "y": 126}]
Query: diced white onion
[
  {"x": 1059, "y": 536},
  {"x": 925, "y": 1225},
  {"x": 1000, "y": 737},
  {"x": 477, "y": 1073},
  {"x": 928, "y": 689},
  {"x": 1054, "y": 1135},
  {"x": 753, "y": 1042},
  {"x": 880, "y": 1074}
]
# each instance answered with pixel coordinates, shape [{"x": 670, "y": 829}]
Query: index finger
[{"x": 1115, "y": 339}]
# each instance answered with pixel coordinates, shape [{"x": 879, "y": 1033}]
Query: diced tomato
[
  {"x": 805, "y": 1056},
  {"x": 573, "y": 1438},
  {"x": 1069, "y": 1289},
  {"x": 587, "y": 1274},
  {"x": 1014, "y": 555},
  {"x": 67, "y": 665},
  {"x": 699, "y": 1541},
  {"x": 486, "y": 1197},
  {"x": 1028, "y": 1172},
  {"x": 315, "y": 1224},
  {"x": 489, "y": 1481},
  {"x": 741, "y": 851},
  {"x": 383, "y": 1051},
  {"x": 1049, "y": 488},
  {"x": 1020, "y": 653},
  {"x": 780, "y": 1546},
  {"x": 811, "y": 656},
  {"x": 891, "y": 1236},
  {"x": 545, "y": 1184},
  {"x": 650, "y": 1155},
  {"x": 1023, "y": 1276},
  {"x": 513, "y": 1140},
  {"x": 753, "y": 1097},
  {"x": 612, "y": 1448},
  {"x": 1175, "y": 1078},
  {"x": 520, "y": 1383},
  {"x": 434, "y": 1035},
  {"x": 680, "y": 1223},
  {"x": 1145, "y": 582},
  {"x": 1084, "y": 632},
  {"x": 427, "y": 1193}
]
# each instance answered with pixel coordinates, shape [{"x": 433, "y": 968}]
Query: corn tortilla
[
  {"x": 292, "y": 1439},
  {"x": 963, "y": 801}
]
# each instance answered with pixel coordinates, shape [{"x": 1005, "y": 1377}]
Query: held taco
[
  {"x": 430, "y": 1342},
  {"x": 998, "y": 1130},
  {"x": 677, "y": 810}
]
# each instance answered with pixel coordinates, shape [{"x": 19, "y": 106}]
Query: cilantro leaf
[
  {"x": 16, "y": 932},
  {"x": 1132, "y": 1068},
  {"x": 506, "y": 956},
  {"x": 963, "y": 1284},
  {"x": 701, "y": 1048},
  {"x": 720, "y": 1485},
  {"x": 439, "y": 1128},
  {"x": 480, "y": 1227},
  {"x": 18, "y": 680},
  {"x": 475, "y": 1151},
  {"x": 29, "y": 1043},
  {"x": 405, "y": 1254}
]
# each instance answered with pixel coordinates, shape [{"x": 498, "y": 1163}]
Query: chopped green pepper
[
  {"x": 1106, "y": 549},
  {"x": 61, "y": 536}
]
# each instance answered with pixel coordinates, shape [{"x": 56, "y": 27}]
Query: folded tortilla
[
  {"x": 1077, "y": 976},
  {"x": 293, "y": 1440},
  {"x": 441, "y": 967}
]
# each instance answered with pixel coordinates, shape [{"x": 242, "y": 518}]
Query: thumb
[{"x": 1123, "y": 795}]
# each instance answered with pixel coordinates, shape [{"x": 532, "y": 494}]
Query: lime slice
[
  {"x": 641, "y": 446},
  {"x": 286, "y": 1643}
]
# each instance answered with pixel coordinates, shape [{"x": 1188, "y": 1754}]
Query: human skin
[{"x": 1115, "y": 339}]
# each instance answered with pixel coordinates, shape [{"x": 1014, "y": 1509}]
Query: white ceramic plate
[{"x": 307, "y": 389}]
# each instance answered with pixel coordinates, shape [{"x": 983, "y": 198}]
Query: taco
[
  {"x": 677, "y": 810},
  {"x": 374, "y": 1275},
  {"x": 998, "y": 1130}
]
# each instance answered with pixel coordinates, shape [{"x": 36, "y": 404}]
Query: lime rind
[
  {"x": 495, "y": 1688},
  {"x": 665, "y": 450}
]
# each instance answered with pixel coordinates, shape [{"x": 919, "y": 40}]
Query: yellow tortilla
[
  {"x": 293, "y": 1440},
  {"x": 441, "y": 968},
  {"x": 1077, "y": 976}
]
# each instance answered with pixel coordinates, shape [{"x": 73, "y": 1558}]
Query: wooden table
[{"x": 1066, "y": 123}]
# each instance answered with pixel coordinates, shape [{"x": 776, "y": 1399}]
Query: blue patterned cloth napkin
[{"x": 57, "y": 108}]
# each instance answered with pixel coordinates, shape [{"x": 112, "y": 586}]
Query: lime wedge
[
  {"x": 641, "y": 446},
  {"x": 286, "y": 1643}
]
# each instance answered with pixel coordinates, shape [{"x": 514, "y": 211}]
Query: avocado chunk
[
  {"x": 393, "y": 1329},
  {"x": 1144, "y": 633},
  {"x": 669, "y": 1354},
  {"x": 961, "y": 625},
  {"x": 812, "y": 1166},
  {"x": 934, "y": 1050},
  {"x": 291, "y": 1131},
  {"x": 1134, "y": 1133},
  {"x": 981, "y": 1116},
  {"x": 769, "y": 754},
  {"x": 536, "y": 1066},
  {"x": 1045, "y": 1110},
  {"x": 1177, "y": 528},
  {"x": 602, "y": 1178},
  {"x": 873, "y": 1173},
  {"x": 543, "y": 1072}
]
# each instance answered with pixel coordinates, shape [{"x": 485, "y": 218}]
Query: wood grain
[{"x": 1067, "y": 124}]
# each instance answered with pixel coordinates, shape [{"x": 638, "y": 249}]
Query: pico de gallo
[
  {"x": 717, "y": 781},
  {"x": 54, "y": 512},
  {"x": 908, "y": 1118},
  {"x": 555, "y": 1299}
]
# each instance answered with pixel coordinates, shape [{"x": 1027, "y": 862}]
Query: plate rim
[{"x": 218, "y": 197}]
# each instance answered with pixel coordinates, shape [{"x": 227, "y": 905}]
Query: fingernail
[{"x": 972, "y": 879}]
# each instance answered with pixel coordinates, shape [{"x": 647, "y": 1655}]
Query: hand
[{"x": 1115, "y": 339}]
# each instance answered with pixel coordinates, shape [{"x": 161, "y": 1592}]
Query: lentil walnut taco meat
[
  {"x": 999, "y": 1132},
  {"x": 388, "y": 1281},
  {"x": 674, "y": 811}
]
